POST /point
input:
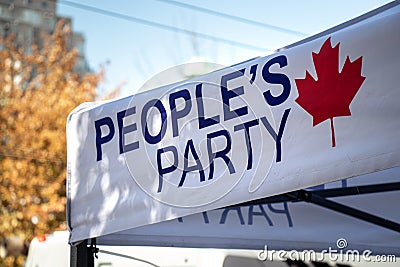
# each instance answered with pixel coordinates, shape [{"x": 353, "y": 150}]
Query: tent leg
[{"x": 81, "y": 255}]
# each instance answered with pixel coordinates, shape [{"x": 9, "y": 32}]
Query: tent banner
[
  {"x": 324, "y": 110},
  {"x": 286, "y": 226}
]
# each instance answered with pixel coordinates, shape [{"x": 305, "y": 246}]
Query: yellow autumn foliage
[{"x": 38, "y": 89}]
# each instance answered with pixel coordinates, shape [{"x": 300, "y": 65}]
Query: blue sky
[{"x": 133, "y": 52}]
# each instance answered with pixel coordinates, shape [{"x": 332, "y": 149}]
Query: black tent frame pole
[
  {"x": 82, "y": 255},
  {"x": 356, "y": 213},
  {"x": 318, "y": 197},
  {"x": 358, "y": 190}
]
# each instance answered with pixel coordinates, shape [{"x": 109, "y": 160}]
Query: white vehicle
[{"x": 53, "y": 250}]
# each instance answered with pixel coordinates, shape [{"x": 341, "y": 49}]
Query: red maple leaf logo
[{"x": 332, "y": 93}]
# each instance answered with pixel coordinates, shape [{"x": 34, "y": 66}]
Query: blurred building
[{"x": 31, "y": 19}]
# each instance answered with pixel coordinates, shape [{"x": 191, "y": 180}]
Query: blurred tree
[{"x": 38, "y": 89}]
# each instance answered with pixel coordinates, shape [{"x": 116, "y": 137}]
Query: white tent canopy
[
  {"x": 282, "y": 224},
  {"x": 324, "y": 110}
]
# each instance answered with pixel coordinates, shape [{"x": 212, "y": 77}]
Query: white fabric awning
[
  {"x": 321, "y": 111},
  {"x": 287, "y": 225}
]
